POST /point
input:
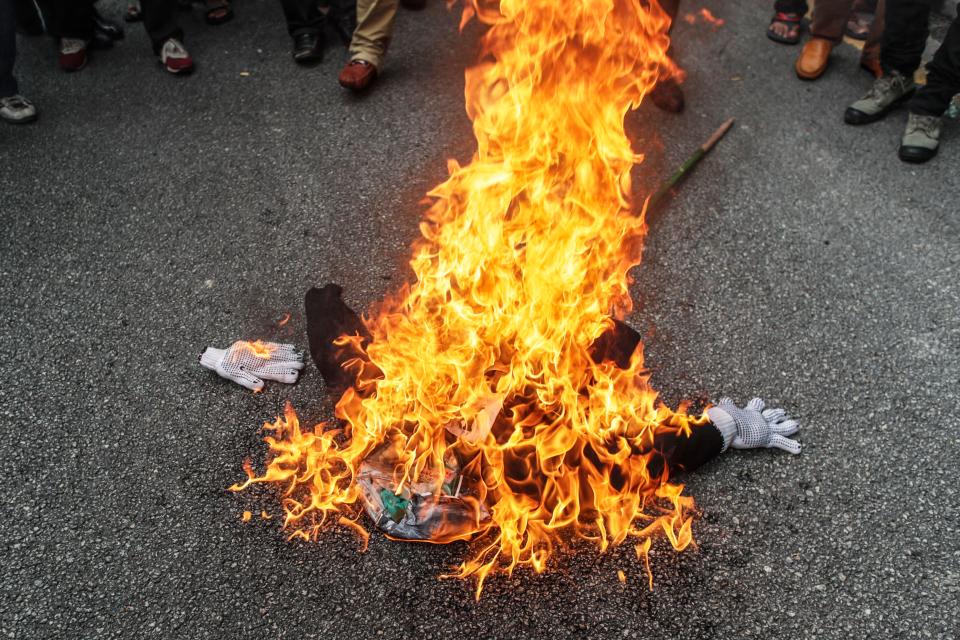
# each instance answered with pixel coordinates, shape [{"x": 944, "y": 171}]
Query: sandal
[
  {"x": 218, "y": 11},
  {"x": 792, "y": 20},
  {"x": 133, "y": 14},
  {"x": 858, "y": 26}
]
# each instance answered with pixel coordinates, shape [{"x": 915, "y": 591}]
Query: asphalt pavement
[{"x": 145, "y": 217}]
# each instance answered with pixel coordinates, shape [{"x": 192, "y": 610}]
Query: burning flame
[
  {"x": 706, "y": 15},
  {"x": 524, "y": 258},
  {"x": 258, "y": 348}
]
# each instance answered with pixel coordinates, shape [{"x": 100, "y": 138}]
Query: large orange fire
[{"x": 524, "y": 258}]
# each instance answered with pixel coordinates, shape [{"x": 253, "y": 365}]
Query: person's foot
[
  {"x": 921, "y": 139},
  {"x": 133, "y": 13},
  {"x": 357, "y": 75},
  {"x": 105, "y": 32},
  {"x": 175, "y": 57},
  {"x": 886, "y": 93},
  {"x": 858, "y": 26},
  {"x": 413, "y": 5},
  {"x": 308, "y": 48},
  {"x": 17, "y": 110},
  {"x": 109, "y": 28},
  {"x": 813, "y": 60},
  {"x": 72, "y": 54},
  {"x": 785, "y": 28},
  {"x": 218, "y": 12},
  {"x": 668, "y": 96}
]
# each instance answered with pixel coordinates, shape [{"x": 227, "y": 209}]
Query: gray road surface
[{"x": 146, "y": 217}]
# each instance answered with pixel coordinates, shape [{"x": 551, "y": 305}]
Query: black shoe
[
  {"x": 308, "y": 48},
  {"x": 108, "y": 28},
  {"x": 668, "y": 96},
  {"x": 916, "y": 155}
]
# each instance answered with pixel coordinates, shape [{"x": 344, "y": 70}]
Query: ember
[
  {"x": 704, "y": 14},
  {"x": 486, "y": 362}
]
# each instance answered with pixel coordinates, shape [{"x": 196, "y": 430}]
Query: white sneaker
[
  {"x": 17, "y": 110},
  {"x": 175, "y": 57}
]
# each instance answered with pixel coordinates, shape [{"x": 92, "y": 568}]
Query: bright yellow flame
[
  {"x": 523, "y": 259},
  {"x": 257, "y": 348}
]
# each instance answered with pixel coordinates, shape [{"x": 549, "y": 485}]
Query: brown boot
[
  {"x": 357, "y": 75},
  {"x": 814, "y": 58}
]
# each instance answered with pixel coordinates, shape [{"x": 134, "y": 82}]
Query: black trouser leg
[
  {"x": 904, "y": 35},
  {"x": 8, "y": 47},
  {"x": 790, "y": 6},
  {"x": 302, "y": 16},
  {"x": 32, "y": 17},
  {"x": 160, "y": 21},
  {"x": 943, "y": 76},
  {"x": 343, "y": 16},
  {"x": 72, "y": 19}
]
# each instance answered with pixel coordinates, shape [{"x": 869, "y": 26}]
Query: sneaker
[
  {"x": 17, "y": 110},
  {"x": 886, "y": 93},
  {"x": 921, "y": 138},
  {"x": 72, "y": 54},
  {"x": 175, "y": 57},
  {"x": 357, "y": 75}
]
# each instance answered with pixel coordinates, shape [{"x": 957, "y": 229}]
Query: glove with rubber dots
[
  {"x": 753, "y": 426},
  {"x": 250, "y": 363}
]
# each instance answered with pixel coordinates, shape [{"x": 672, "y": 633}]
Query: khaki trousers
[{"x": 374, "y": 28}]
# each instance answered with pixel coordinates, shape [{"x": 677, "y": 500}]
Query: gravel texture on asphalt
[{"x": 146, "y": 217}]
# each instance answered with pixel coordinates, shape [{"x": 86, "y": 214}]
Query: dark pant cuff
[{"x": 158, "y": 42}]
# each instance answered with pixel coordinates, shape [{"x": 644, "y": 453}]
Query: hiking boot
[
  {"x": 886, "y": 93},
  {"x": 175, "y": 58},
  {"x": 921, "y": 138},
  {"x": 17, "y": 110}
]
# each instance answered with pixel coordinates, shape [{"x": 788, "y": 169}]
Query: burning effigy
[{"x": 499, "y": 398}]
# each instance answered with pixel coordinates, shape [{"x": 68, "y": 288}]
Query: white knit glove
[
  {"x": 250, "y": 363},
  {"x": 753, "y": 427}
]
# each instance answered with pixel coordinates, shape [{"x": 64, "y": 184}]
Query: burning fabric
[
  {"x": 496, "y": 398},
  {"x": 416, "y": 510},
  {"x": 454, "y": 501}
]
